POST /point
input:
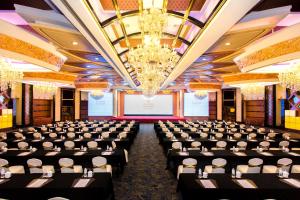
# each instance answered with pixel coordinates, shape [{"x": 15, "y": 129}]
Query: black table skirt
[
  {"x": 174, "y": 159},
  {"x": 117, "y": 159},
  {"x": 269, "y": 187},
  {"x": 61, "y": 185}
]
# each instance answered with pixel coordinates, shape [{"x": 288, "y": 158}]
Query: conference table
[
  {"x": 174, "y": 158},
  {"x": 71, "y": 186},
  {"x": 116, "y": 158},
  {"x": 249, "y": 186},
  {"x": 209, "y": 143},
  {"x": 102, "y": 143}
]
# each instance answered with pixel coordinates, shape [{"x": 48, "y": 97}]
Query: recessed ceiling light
[
  {"x": 204, "y": 59},
  {"x": 96, "y": 58},
  {"x": 75, "y": 43},
  {"x": 94, "y": 77},
  {"x": 227, "y": 43}
]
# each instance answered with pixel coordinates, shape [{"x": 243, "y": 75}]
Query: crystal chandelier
[
  {"x": 253, "y": 91},
  {"x": 201, "y": 94},
  {"x": 290, "y": 80},
  {"x": 96, "y": 94},
  {"x": 9, "y": 75},
  {"x": 43, "y": 90},
  {"x": 151, "y": 60}
]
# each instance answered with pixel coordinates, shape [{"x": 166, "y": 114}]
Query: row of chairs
[
  {"x": 241, "y": 145},
  {"x": 255, "y": 166},
  {"x": 66, "y": 166}
]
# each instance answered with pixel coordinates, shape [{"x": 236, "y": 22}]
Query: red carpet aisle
[{"x": 145, "y": 177}]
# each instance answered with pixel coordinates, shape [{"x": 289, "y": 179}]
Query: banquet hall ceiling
[{"x": 97, "y": 64}]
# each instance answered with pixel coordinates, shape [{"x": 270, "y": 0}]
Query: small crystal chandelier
[
  {"x": 201, "y": 94},
  {"x": 96, "y": 94},
  {"x": 290, "y": 80},
  {"x": 9, "y": 75},
  {"x": 253, "y": 91},
  {"x": 152, "y": 61},
  {"x": 43, "y": 90}
]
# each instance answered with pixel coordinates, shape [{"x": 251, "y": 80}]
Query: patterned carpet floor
[{"x": 145, "y": 177}]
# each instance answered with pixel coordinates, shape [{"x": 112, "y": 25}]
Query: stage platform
[{"x": 149, "y": 119}]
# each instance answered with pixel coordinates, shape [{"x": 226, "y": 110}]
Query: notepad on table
[
  {"x": 81, "y": 183},
  {"x": 52, "y": 153},
  {"x": 292, "y": 181},
  {"x": 240, "y": 153},
  {"x": 79, "y": 153},
  {"x": 24, "y": 153},
  {"x": 206, "y": 183},
  {"x": 183, "y": 153},
  {"x": 39, "y": 182},
  {"x": 245, "y": 183},
  {"x": 207, "y": 153},
  {"x": 106, "y": 153},
  {"x": 266, "y": 153},
  {"x": 294, "y": 154}
]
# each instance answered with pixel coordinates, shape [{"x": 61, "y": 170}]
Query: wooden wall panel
[
  {"x": 255, "y": 112},
  {"x": 212, "y": 110},
  {"x": 42, "y": 111},
  {"x": 84, "y": 110}
]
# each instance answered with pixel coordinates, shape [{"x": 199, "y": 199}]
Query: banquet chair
[
  {"x": 3, "y": 145},
  {"x": 87, "y": 135},
  {"x": 17, "y": 169},
  {"x": 31, "y": 129},
  {"x": 98, "y": 129},
  {"x": 188, "y": 166},
  {"x": 71, "y": 135},
  {"x": 261, "y": 130},
  {"x": 242, "y": 126},
  {"x": 105, "y": 135},
  {"x": 122, "y": 135},
  {"x": 264, "y": 145},
  {"x": 237, "y": 136},
  {"x": 286, "y": 136},
  {"x": 53, "y": 135},
  {"x": 37, "y": 136},
  {"x": 221, "y": 130},
  {"x": 242, "y": 145},
  {"x": 58, "y": 198},
  {"x": 217, "y": 167},
  {"x": 58, "y": 129},
  {"x": 69, "y": 145},
  {"x": 44, "y": 129},
  {"x": 284, "y": 144},
  {"x": 205, "y": 130},
  {"x": 220, "y": 145},
  {"x": 295, "y": 169},
  {"x": 233, "y": 130},
  {"x": 127, "y": 129},
  {"x": 113, "y": 145},
  {"x": 253, "y": 167},
  {"x": 176, "y": 145},
  {"x": 283, "y": 163},
  {"x": 49, "y": 125},
  {"x": 203, "y": 135},
  {"x": 3, "y": 136},
  {"x": 176, "y": 129},
  {"x": 92, "y": 145},
  {"x": 100, "y": 165},
  {"x": 169, "y": 135},
  {"x": 23, "y": 145},
  {"x": 185, "y": 125},
  {"x": 95, "y": 125},
  {"x": 66, "y": 165},
  {"x": 35, "y": 166},
  {"x": 47, "y": 145},
  {"x": 232, "y": 125},
  {"x": 219, "y": 136},
  {"x": 19, "y": 136},
  {"x": 85, "y": 129},
  {"x": 165, "y": 129},
  {"x": 193, "y": 129},
  {"x": 72, "y": 125},
  {"x": 252, "y": 135},
  {"x": 3, "y": 164},
  {"x": 196, "y": 144},
  {"x": 249, "y": 130},
  {"x": 71, "y": 129},
  {"x": 184, "y": 135}
]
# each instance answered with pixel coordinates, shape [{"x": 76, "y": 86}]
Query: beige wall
[
  {"x": 17, "y": 94},
  {"x": 77, "y": 104},
  {"x": 57, "y": 104},
  {"x": 219, "y": 105},
  {"x": 238, "y": 105}
]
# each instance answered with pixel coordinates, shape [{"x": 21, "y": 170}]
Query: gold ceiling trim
[
  {"x": 184, "y": 19},
  {"x": 204, "y": 86},
  {"x": 50, "y": 75},
  {"x": 14, "y": 45},
  {"x": 248, "y": 77},
  {"x": 270, "y": 52}
]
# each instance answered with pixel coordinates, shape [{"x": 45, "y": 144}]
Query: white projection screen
[
  {"x": 194, "y": 106},
  {"x": 102, "y": 106},
  {"x": 159, "y": 105}
]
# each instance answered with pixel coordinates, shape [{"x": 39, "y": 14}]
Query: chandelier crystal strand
[
  {"x": 201, "y": 94},
  {"x": 43, "y": 90},
  {"x": 290, "y": 80},
  {"x": 152, "y": 61},
  {"x": 9, "y": 75}
]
